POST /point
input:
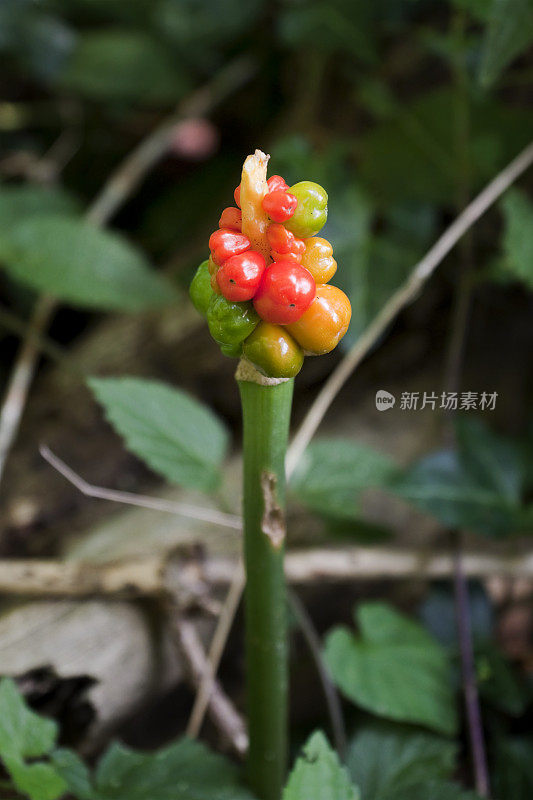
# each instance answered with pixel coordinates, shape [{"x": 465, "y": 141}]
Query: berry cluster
[{"x": 276, "y": 307}]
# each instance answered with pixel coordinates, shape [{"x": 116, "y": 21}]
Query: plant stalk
[{"x": 266, "y": 407}]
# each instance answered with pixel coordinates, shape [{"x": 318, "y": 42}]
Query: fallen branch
[
  {"x": 221, "y": 709},
  {"x": 36, "y": 578},
  {"x": 157, "y": 576},
  {"x": 216, "y": 649}
]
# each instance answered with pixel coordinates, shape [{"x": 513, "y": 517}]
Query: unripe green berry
[
  {"x": 231, "y": 350},
  {"x": 200, "y": 290},
  {"x": 273, "y": 351},
  {"x": 311, "y": 212},
  {"x": 230, "y": 323}
]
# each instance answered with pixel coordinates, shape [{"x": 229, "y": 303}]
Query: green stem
[{"x": 266, "y": 408}]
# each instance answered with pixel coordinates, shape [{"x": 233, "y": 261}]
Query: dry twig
[
  {"x": 218, "y": 643},
  {"x": 223, "y": 712},
  {"x": 211, "y": 515}
]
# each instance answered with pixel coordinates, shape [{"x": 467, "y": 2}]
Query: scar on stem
[{"x": 273, "y": 521}]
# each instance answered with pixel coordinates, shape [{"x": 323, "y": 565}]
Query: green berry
[
  {"x": 231, "y": 350},
  {"x": 200, "y": 290},
  {"x": 273, "y": 351},
  {"x": 230, "y": 323},
  {"x": 311, "y": 212}
]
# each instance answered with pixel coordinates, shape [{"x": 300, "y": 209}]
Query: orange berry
[
  {"x": 322, "y": 326},
  {"x": 318, "y": 259},
  {"x": 212, "y": 266}
]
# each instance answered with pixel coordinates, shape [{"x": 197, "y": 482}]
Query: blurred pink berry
[{"x": 194, "y": 139}]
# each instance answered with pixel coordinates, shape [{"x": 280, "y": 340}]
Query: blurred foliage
[
  {"x": 513, "y": 768},
  {"x": 483, "y": 485},
  {"x": 39, "y": 770},
  {"x": 509, "y": 31},
  {"x": 384, "y": 667},
  {"x": 80, "y": 264},
  {"x": 389, "y": 760},
  {"x": 332, "y": 473},
  {"x": 517, "y": 262},
  {"x": 26, "y": 742},
  {"x": 178, "y": 437},
  {"x": 142, "y": 69},
  {"x": 319, "y": 775}
]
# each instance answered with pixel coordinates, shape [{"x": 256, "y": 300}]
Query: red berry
[
  {"x": 285, "y": 292},
  {"x": 237, "y": 195},
  {"x": 225, "y": 243},
  {"x": 282, "y": 256},
  {"x": 276, "y": 182},
  {"x": 283, "y": 241},
  {"x": 239, "y": 276},
  {"x": 279, "y": 205},
  {"x": 231, "y": 218}
]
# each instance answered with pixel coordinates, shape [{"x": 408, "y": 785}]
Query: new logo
[{"x": 384, "y": 400}]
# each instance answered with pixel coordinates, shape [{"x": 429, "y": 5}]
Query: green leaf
[
  {"x": 318, "y": 774},
  {"x": 333, "y": 472},
  {"x": 509, "y": 32},
  {"x": 494, "y": 461},
  {"x": 518, "y": 237},
  {"x": 478, "y": 487},
  {"x": 23, "y": 734},
  {"x": 124, "y": 66},
  {"x": 394, "y": 669},
  {"x": 74, "y": 772},
  {"x": 386, "y": 759},
  {"x": 18, "y": 203},
  {"x": 174, "y": 434},
  {"x": 440, "y": 485},
  {"x": 184, "y": 771},
  {"x": 37, "y": 781},
  {"x": 26, "y": 735},
  {"x": 82, "y": 265}
]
